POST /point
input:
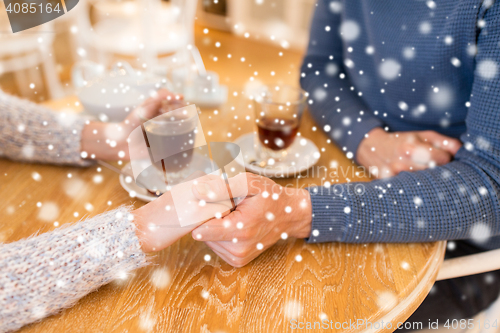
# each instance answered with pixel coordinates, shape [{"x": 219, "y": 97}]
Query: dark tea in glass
[
  {"x": 171, "y": 138},
  {"x": 276, "y": 133},
  {"x": 278, "y": 110}
]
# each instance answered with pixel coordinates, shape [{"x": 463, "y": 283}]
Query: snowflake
[
  {"x": 386, "y": 300},
  {"x": 425, "y": 28},
  {"x": 331, "y": 69},
  {"x": 160, "y": 278},
  {"x": 441, "y": 97},
  {"x": 36, "y": 176},
  {"x": 293, "y": 309},
  {"x": 48, "y": 212},
  {"x": 409, "y": 53},
  {"x": 146, "y": 322},
  {"x": 320, "y": 94},
  {"x": 403, "y": 106},
  {"x": 350, "y": 30},
  {"x": 417, "y": 201},
  {"x": 456, "y": 62},
  {"x": 370, "y": 50},
  {"x": 482, "y": 190},
  {"x": 482, "y": 143},
  {"x": 28, "y": 151},
  {"x": 335, "y": 7},
  {"x": 480, "y": 233},
  {"x": 270, "y": 216},
  {"x": 389, "y": 69}
]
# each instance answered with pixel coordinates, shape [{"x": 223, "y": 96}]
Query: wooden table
[{"x": 182, "y": 292}]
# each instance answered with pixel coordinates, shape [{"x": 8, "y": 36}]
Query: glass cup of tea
[
  {"x": 278, "y": 110},
  {"x": 171, "y": 139}
]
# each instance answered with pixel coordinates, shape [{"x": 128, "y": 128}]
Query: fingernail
[{"x": 202, "y": 188}]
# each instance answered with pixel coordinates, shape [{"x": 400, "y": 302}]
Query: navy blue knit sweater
[{"x": 409, "y": 65}]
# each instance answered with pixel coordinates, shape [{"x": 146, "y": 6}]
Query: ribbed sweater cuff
[{"x": 328, "y": 219}]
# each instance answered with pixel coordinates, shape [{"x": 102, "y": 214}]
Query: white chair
[
  {"x": 142, "y": 29},
  {"x": 470, "y": 265},
  {"x": 22, "y": 52},
  {"x": 282, "y": 22}
]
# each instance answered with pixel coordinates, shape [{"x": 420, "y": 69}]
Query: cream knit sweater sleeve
[
  {"x": 30, "y": 132},
  {"x": 44, "y": 274}
]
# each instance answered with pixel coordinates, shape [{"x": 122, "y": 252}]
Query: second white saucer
[{"x": 302, "y": 155}]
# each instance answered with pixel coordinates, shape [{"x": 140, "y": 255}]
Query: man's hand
[
  {"x": 269, "y": 213},
  {"x": 392, "y": 153},
  {"x": 108, "y": 141}
]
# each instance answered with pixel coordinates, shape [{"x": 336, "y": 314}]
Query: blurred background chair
[
  {"x": 470, "y": 265},
  {"x": 139, "y": 32},
  {"x": 29, "y": 56},
  {"x": 280, "y": 22}
]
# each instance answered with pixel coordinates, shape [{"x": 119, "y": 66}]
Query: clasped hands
[{"x": 269, "y": 212}]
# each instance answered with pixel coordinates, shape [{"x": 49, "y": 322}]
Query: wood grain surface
[{"x": 182, "y": 291}]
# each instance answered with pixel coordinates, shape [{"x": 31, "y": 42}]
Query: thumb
[{"x": 212, "y": 188}]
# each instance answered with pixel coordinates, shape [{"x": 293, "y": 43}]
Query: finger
[
  {"x": 211, "y": 231},
  {"x": 238, "y": 255},
  {"x": 401, "y": 166},
  {"x": 425, "y": 154},
  {"x": 218, "y": 189},
  {"x": 217, "y": 230},
  {"x": 225, "y": 255},
  {"x": 446, "y": 143}
]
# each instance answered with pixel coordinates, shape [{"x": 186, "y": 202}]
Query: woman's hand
[
  {"x": 269, "y": 213},
  {"x": 387, "y": 154},
  {"x": 108, "y": 141},
  {"x": 158, "y": 222}
]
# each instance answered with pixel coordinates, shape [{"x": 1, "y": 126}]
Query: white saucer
[
  {"x": 132, "y": 188},
  {"x": 199, "y": 162},
  {"x": 303, "y": 154}
]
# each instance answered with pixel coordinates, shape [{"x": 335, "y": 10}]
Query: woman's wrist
[
  {"x": 157, "y": 224},
  {"x": 140, "y": 218},
  {"x": 103, "y": 141}
]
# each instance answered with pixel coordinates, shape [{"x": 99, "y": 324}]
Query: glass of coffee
[
  {"x": 171, "y": 139},
  {"x": 278, "y": 110}
]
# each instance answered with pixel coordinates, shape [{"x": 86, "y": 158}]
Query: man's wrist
[
  {"x": 365, "y": 146},
  {"x": 373, "y": 135},
  {"x": 302, "y": 224}
]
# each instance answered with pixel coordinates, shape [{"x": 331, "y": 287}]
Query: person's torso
[{"x": 412, "y": 61}]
